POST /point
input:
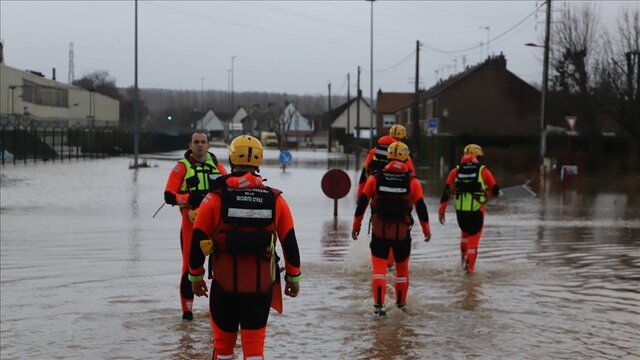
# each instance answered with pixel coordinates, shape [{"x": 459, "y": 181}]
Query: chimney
[{"x": 53, "y": 76}]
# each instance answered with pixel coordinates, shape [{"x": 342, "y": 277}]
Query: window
[
  {"x": 44, "y": 95},
  {"x": 388, "y": 120}
]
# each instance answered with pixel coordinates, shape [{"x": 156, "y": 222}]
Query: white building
[{"x": 27, "y": 93}]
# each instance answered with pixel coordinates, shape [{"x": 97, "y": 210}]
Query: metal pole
[
  {"x": 371, "y": 83},
  {"x": 232, "y": 103},
  {"x": 545, "y": 79},
  {"x": 136, "y": 121},
  {"x": 201, "y": 92}
]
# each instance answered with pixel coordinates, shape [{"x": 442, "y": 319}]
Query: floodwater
[{"x": 87, "y": 273}]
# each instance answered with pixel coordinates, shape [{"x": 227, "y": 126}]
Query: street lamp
[
  {"x": 232, "y": 104},
  {"x": 543, "y": 100},
  {"x": 201, "y": 92},
  {"x": 488, "y": 32},
  {"x": 371, "y": 83},
  {"x": 12, "y": 87}
]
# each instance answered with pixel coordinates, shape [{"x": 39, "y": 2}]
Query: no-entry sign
[{"x": 336, "y": 184}]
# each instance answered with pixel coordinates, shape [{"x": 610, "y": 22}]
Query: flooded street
[{"x": 87, "y": 273}]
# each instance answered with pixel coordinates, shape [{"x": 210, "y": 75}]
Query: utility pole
[
  {"x": 201, "y": 92},
  {"x": 350, "y": 142},
  {"x": 414, "y": 112},
  {"x": 329, "y": 116},
  {"x": 371, "y": 83},
  {"x": 545, "y": 82},
  {"x": 232, "y": 103},
  {"x": 358, "y": 119},
  {"x": 136, "y": 121}
]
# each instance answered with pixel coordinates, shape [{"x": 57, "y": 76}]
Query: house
[
  {"x": 346, "y": 125},
  {"x": 211, "y": 123},
  {"x": 484, "y": 100},
  {"x": 259, "y": 120},
  {"x": 294, "y": 127},
  {"x": 387, "y": 105}
]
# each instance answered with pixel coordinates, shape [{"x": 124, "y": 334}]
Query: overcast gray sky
[{"x": 296, "y": 47}]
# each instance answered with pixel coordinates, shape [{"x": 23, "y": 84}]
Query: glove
[
  {"x": 206, "y": 246},
  {"x": 195, "y": 199}
]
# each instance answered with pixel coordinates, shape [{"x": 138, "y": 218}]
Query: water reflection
[
  {"x": 470, "y": 293},
  {"x": 393, "y": 338},
  {"x": 336, "y": 234},
  {"x": 134, "y": 229}
]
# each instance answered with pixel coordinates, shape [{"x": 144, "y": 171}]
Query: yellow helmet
[
  {"x": 473, "y": 149},
  {"x": 398, "y": 151},
  {"x": 245, "y": 150},
  {"x": 398, "y": 132}
]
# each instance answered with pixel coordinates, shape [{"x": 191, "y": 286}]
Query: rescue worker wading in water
[
  {"x": 187, "y": 185},
  {"x": 376, "y": 160},
  {"x": 238, "y": 225},
  {"x": 471, "y": 184},
  {"x": 393, "y": 193}
]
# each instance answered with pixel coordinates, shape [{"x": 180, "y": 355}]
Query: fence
[{"x": 23, "y": 139}]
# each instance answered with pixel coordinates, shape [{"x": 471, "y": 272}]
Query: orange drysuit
[
  {"x": 471, "y": 221},
  {"x": 393, "y": 194},
  {"x": 243, "y": 218},
  {"x": 177, "y": 192},
  {"x": 375, "y": 161}
]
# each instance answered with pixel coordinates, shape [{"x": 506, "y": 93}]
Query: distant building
[
  {"x": 484, "y": 100},
  {"x": 345, "y": 125},
  {"x": 387, "y": 106},
  {"x": 211, "y": 123},
  {"x": 29, "y": 94}
]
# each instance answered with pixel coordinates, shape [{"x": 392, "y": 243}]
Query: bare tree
[
  {"x": 575, "y": 50},
  {"x": 619, "y": 81}
]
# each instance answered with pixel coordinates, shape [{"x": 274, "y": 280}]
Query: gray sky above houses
[{"x": 297, "y": 47}]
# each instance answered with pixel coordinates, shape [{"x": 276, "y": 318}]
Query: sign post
[
  {"x": 571, "y": 124},
  {"x": 285, "y": 158},
  {"x": 336, "y": 185}
]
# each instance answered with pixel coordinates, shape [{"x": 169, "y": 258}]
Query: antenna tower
[{"x": 71, "y": 74}]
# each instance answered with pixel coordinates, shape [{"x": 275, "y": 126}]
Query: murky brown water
[{"x": 86, "y": 273}]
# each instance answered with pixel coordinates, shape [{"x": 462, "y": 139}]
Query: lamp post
[
  {"x": 488, "y": 32},
  {"x": 371, "y": 82},
  {"x": 201, "y": 92},
  {"x": 12, "y": 87},
  {"x": 232, "y": 103}
]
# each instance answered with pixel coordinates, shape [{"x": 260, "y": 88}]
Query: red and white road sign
[{"x": 571, "y": 121}]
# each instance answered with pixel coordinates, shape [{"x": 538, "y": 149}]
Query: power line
[{"x": 490, "y": 40}]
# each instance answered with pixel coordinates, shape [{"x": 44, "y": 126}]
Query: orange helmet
[
  {"x": 398, "y": 151},
  {"x": 473, "y": 149},
  {"x": 398, "y": 132}
]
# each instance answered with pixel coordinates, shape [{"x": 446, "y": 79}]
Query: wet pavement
[{"x": 87, "y": 273}]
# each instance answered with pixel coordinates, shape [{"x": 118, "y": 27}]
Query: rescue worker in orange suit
[
  {"x": 188, "y": 183},
  {"x": 376, "y": 160},
  {"x": 393, "y": 193},
  {"x": 471, "y": 184},
  {"x": 237, "y": 227}
]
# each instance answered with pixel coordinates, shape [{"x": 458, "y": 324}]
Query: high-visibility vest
[
  {"x": 470, "y": 189},
  {"x": 198, "y": 176}
]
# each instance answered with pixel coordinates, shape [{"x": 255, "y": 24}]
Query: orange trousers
[
  {"x": 224, "y": 342},
  {"x": 186, "y": 292},
  {"x": 379, "y": 281},
  {"x": 469, "y": 249}
]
